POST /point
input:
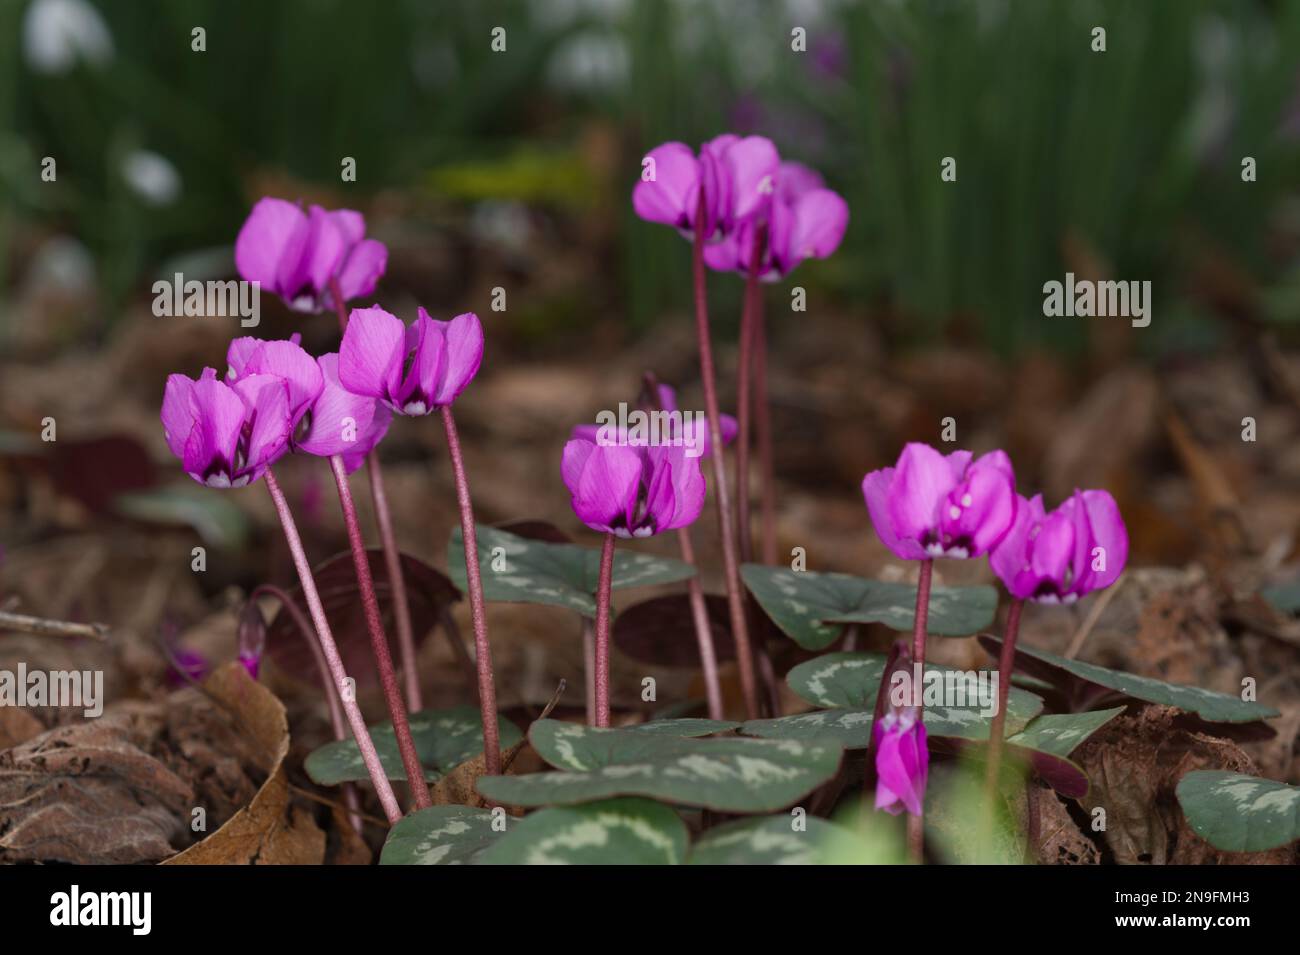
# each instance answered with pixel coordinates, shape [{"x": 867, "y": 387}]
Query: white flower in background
[
  {"x": 58, "y": 33},
  {"x": 152, "y": 177},
  {"x": 590, "y": 61}
]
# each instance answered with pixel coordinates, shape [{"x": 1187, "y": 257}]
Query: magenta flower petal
[
  {"x": 603, "y": 482},
  {"x": 281, "y": 359},
  {"x": 752, "y": 165},
  {"x": 179, "y": 413},
  {"x": 670, "y": 198},
  {"x": 1107, "y": 532},
  {"x": 463, "y": 341},
  {"x": 876, "y": 491},
  {"x": 794, "y": 179},
  {"x": 341, "y": 422},
  {"x": 902, "y": 763},
  {"x": 361, "y": 272},
  {"x": 672, "y": 467},
  {"x": 978, "y": 512},
  {"x": 818, "y": 220},
  {"x": 212, "y": 452},
  {"x": 922, "y": 480},
  {"x": 372, "y": 354},
  {"x": 274, "y": 233}
]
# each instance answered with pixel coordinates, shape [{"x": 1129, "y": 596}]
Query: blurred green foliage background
[{"x": 1129, "y": 157}]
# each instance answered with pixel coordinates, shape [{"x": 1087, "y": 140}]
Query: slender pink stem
[
  {"x": 1006, "y": 665},
  {"x": 379, "y": 640},
  {"x": 392, "y": 557},
  {"x": 487, "y": 691},
  {"x": 397, "y": 581},
  {"x": 338, "y": 674},
  {"x": 753, "y": 296},
  {"x": 703, "y": 629},
  {"x": 735, "y": 591},
  {"x": 337, "y": 720},
  {"x": 915, "y": 824},
  {"x": 763, "y": 416},
  {"x": 603, "y": 587},
  {"x": 589, "y": 667}
]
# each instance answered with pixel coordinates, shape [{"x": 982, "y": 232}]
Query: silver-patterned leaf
[
  {"x": 441, "y": 835},
  {"x": 1239, "y": 813},
  {"x": 768, "y": 840},
  {"x": 728, "y": 774},
  {"x": 612, "y": 832},
  {"x": 812, "y": 608},
  {"x": 443, "y": 740},
  {"x": 523, "y": 570}
]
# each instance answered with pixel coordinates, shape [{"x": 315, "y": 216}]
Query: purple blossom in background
[
  {"x": 803, "y": 220},
  {"x": 632, "y": 491},
  {"x": 902, "y": 761},
  {"x": 226, "y": 435},
  {"x": 932, "y": 505},
  {"x": 411, "y": 370},
  {"x": 737, "y": 174},
  {"x": 688, "y": 430},
  {"x": 186, "y": 663},
  {"x": 1059, "y": 556},
  {"x": 296, "y": 254}
]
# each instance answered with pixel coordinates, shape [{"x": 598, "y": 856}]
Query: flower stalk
[
  {"x": 915, "y": 822},
  {"x": 735, "y": 594},
  {"x": 487, "y": 694},
  {"x": 379, "y": 640},
  {"x": 603, "y": 587},
  {"x": 342, "y": 683},
  {"x": 1006, "y": 664}
]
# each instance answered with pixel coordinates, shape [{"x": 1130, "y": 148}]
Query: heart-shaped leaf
[
  {"x": 661, "y": 631},
  {"x": 440, "y": 835},
  {"x": 611, "y": 832},
  {"x": 727, "y": 774},
  {"x": 428, "y": 591},
  {"x": 1239, "y": 813},
  {"x": 574, "y": 746},
  {"x": 443, "y": 739},
  {"x": 812, "y": 608},
  {"x": 1208, "y": 705},
  {"x": 767, "y": 840},
  {"x": 519, "y": 570},
  {"x": 853, "y": 679},
  {"x": 1049, "y": 740}
]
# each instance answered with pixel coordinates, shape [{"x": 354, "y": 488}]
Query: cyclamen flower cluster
[
  {"x": 934, "y": 505},
  {"x": 745, "y": 192},
  {"x": 276, "y": 398}
]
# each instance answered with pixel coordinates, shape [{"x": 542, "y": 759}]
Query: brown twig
[{"x": 52, "y": 628}]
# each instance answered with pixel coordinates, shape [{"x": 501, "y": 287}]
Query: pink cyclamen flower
[
  {"x": 737, "y": 175},
  {"x": 226, "y": 435},
  {"x": 410, "y": 370},
  {"x": 935, "y": 505},
  {"x": 296, "y": 254},
  {"x": 1059, "y": 556},
  {"x": 632, "y": 491},
  {"x": 804, "y": 220},
  {"x": 902, "y": 761}
]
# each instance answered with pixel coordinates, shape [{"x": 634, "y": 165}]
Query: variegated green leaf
[
  {"x": 523, "y": 570},
  {"x": 443, "y": 740},
  {"x": 441, "y": 835},
  {"x": 767, "y": 840},
  {"x": 1050, "y": 739},
  {"x": 728, "y": 774},
  {"x": 577, "y": 747},
  {"x": 612, "y": 832},
  {"x": 853, "y": 679},
  {"x": 1285, "y": 597},
  {"x": 1207, "y": 704},
  {"x": 812, "y": 608},
  {"x": 1239, "y": 813}
]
